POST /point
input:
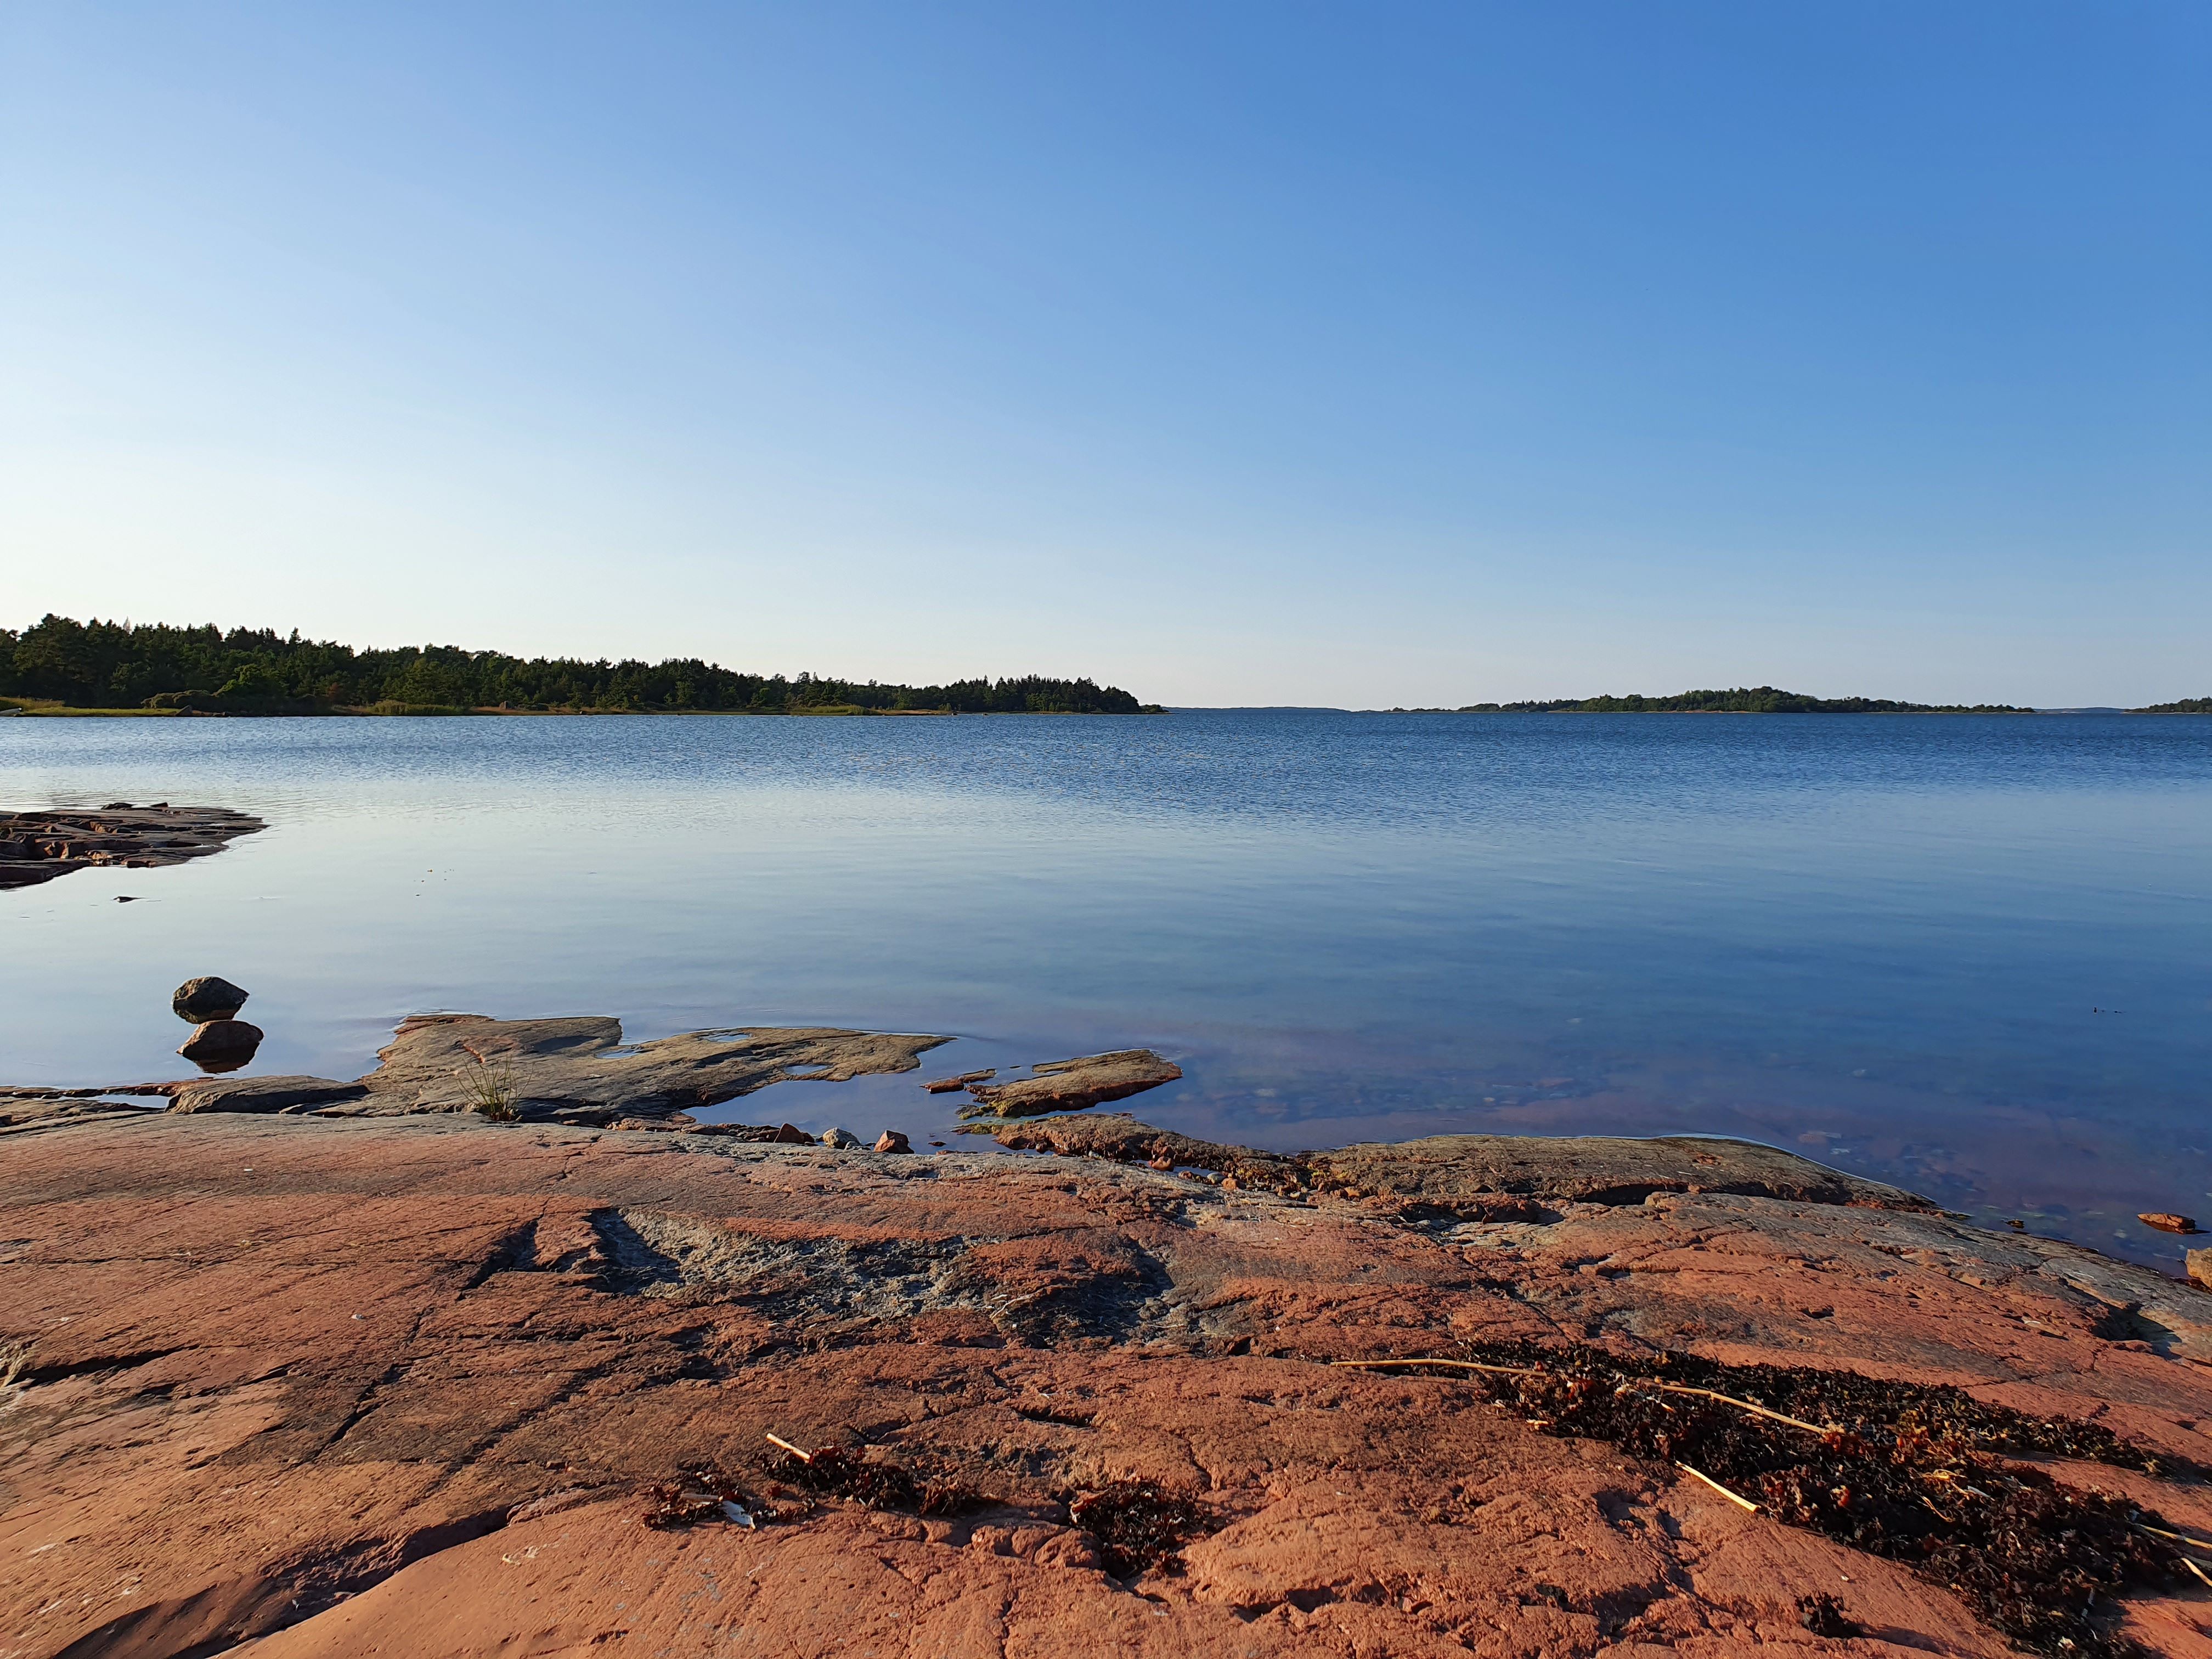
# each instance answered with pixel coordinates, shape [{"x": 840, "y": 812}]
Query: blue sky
[{"x": 1371, "y": 355}]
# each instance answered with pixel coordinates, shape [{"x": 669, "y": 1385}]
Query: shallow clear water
[{"x": 1973, "y": 956}]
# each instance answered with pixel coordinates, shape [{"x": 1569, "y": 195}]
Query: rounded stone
[
  {"x": 200, "y": 1000},
  {"x": 221, "y": 1045}
]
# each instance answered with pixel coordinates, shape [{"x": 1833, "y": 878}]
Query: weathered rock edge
[
  {"x": 1070, "y": 1085},
  {"x": 403, "y": 1384},
  {"x": 579, "y": 1070},
  {"x": 36, "y": 847},
  {"x": 1491, "y": 1178}
]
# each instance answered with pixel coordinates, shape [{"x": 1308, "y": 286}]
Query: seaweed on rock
[
  {"x": 834, "y": 1472},
  {"x": 1137, "y": 1524},
  {"x": 1914, "y": 1473}
]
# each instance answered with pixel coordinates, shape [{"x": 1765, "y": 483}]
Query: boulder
[
  {"x": 200, "y": 1000},
  {"x": 2200, "y": 1267},
  {"x": 892, "y": 1141},
  {"x": 221, "y": 1045},
  {"x": 262, "y": 1093},
  {"x": 1069, "y": 1085},
  {"x": 843, "y": 1140}
]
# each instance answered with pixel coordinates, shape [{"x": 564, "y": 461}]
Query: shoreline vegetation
[
  {"x": 59, "y": 666},
  {"x": 1768, "y": 699}
]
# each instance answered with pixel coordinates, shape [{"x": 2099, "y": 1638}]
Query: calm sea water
[{"x": 1973, "y": 956}]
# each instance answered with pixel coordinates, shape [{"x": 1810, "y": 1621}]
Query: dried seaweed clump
[
  {"x": 1823, "y": 1615},
  {"x": 1912, "y": 1472},
  {"x": 704, "y": 1491},
  {"x": 1945, "y": 1414},
  {"x": 833, "y": 1472},
  {"x": 1137, "y": 1524}
]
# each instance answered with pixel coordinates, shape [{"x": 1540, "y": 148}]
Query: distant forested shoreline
[
  {"x": 153, "y": 667},
  {"x": 1743, "y": 700},
  {"x": 1767, "y": 700}
]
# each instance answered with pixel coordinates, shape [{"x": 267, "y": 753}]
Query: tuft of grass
[
  {"x": 491, "y": 1092},
  {"x": 15, "y": 1360}
]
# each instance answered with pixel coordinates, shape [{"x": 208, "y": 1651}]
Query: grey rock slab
[
  {"x": 579, "y": 1070},
  {"x": 262, "y": 1093},
  {"x": 1069, "y": 1085},
  {"x": 1595, "y": 1170},
  {"x": 1492, "y": 1176},
  {"x": 36, "y": 846}
]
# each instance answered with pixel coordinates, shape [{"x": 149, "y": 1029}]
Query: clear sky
[{"x": 1235, "y": 353}]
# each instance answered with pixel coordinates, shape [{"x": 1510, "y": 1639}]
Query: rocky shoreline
[
  {"x": 497, "y": 1348},
  {"x": 432, "y": 1384},
  {"x": 38, "y": 847},
  {"x": 577, "y": 1070}
]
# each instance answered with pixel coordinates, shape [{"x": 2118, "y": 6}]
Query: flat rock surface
[
  {"x": 404, "y": 1386},
  {"x": 21, "y": 1108},
  {"x": 36, "y": 847},
  {"x": 1485, "y": 1176},
  {"x": 1069, "y": 1085},
  {"x": 262, "y": 1094},
  {"x": 579, "y": 1070}
]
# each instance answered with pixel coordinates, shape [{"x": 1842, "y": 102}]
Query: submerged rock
[
  {"x": 200, "y": 1000},
  {"x": 1069, "y": 1085},
  {"x": 949, "y": 1086}
]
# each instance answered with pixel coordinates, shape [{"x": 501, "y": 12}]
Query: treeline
[
  {"x": 104, "y": 664},
  {"x": 2186, "y": 706},
  {"x": 1744, "y": 700}
]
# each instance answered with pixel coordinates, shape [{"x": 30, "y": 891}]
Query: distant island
[
  {"x": 63, "y": 666},
  {"x": 1767, "y": 700}
]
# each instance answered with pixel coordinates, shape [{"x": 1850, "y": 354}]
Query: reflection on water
[{"x": 1970, "y": 955}]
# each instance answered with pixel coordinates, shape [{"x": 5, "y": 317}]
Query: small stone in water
[{"x": 2166, "y": 1223}]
